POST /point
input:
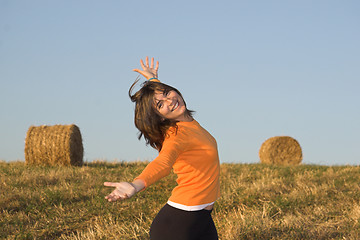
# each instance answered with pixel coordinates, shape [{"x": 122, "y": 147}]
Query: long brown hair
[{"x": 152, "y": 126}]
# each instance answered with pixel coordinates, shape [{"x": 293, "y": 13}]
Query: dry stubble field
[{"x": 258, "y": 202}]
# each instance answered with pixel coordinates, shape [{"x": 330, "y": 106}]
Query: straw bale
[
  {"x": 280, "y": 150},
  {"x": 54, "y": 145}
]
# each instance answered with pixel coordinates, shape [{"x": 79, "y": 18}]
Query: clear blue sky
[{"x": 250, "y": 69}]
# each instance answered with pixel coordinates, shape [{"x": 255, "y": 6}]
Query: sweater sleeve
[{"x": 174, "y": 144}]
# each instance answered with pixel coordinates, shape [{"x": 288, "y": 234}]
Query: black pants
[{"x": 175, "y": 224}]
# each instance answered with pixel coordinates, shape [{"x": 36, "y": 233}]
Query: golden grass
[{"x": 258, "y": 202}]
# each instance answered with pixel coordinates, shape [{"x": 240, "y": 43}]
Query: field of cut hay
[{"x": 258, "y": 201}]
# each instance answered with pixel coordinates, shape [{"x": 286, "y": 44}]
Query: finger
[
  {"x": 140, "y": 72},
  {"x": 142, "y": 64},
  {"x": 157, "y": 66},
  {"x": 110, "y": 184},
  {"x": 108, "y": 197},
  {"x": 152, "y": 63},
  {"x": 112, "y": 197},
  {"x": 147, "y": 61},
  {"x": 115, "y": 198}
]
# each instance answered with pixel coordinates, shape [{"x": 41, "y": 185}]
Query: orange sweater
[{"x": 192, "y": 154}]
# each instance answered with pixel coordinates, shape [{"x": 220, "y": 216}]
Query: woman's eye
[{"x": 160, "y": 105}]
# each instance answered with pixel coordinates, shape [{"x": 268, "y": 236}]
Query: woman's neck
[{"x": 185, "y": 118}]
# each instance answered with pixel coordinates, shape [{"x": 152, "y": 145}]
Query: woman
[{"x": 184, "y": 147}]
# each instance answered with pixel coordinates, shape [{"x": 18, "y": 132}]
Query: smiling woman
[{"x": 184, "y": 147}]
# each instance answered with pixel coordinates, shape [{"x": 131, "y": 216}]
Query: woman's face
[{"x": 170, "y": 105}]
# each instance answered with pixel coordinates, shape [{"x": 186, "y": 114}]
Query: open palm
[
  {"x": 148, "y": 71},
  {"x": 123, "y": 190}
]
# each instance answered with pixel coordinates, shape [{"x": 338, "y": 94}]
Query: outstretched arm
[
  {"x": 124, "y": 190},
  {"x": 148, "y": 71}
]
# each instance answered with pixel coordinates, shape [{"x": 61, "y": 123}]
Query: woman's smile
[{"x": 175, "y": 106}]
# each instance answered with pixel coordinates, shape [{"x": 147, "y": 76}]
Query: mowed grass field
[{"x": 258, "y": 202}]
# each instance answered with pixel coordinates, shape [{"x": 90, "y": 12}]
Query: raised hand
[
  {"x": 123, "y": 190},
  {"x": 148, "y": 71}
]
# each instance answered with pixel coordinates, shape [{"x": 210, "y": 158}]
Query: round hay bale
[
  {"x": 54, "y": 145},
  {"x": 281, "y": 150}
]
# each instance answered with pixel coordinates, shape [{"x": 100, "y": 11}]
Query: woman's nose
[{"x": 170, "y": 101}]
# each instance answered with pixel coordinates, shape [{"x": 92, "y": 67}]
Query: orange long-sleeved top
[{"x": 192, "y": 154}]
